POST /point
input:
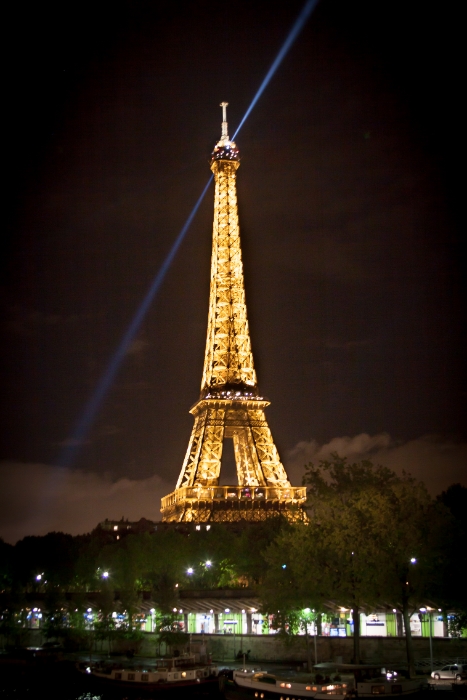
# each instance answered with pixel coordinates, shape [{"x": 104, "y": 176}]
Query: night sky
[{"x": 349, "y": 200}]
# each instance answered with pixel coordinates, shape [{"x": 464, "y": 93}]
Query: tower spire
[
  {"x": 225, "y": 126},
  {"x": 229, "y": 406}
]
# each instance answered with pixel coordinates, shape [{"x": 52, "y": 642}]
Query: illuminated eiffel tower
[{"x": 229, "y": 406}]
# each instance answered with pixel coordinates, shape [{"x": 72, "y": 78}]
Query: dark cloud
[
  {"x": 431, "y": 459},
  {"x": 37, "y": 498}
]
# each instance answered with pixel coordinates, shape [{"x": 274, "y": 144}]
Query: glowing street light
[
  {"x": 208, "y": 564},
  {"x": 190, "y": 571},
  {"x": 105, "y": 574},
  {"x": 413, "y": 560}
]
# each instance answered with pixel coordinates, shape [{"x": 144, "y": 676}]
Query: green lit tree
[
  {"x": 371, "y": 536},
  {"x": 383, "y": 532},
  {"x": 169, "y": 633}
]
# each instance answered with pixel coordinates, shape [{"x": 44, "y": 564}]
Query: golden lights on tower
[{"x": 229, "y": 406}]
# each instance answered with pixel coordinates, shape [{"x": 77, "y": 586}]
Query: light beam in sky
[
  {"x": 292, "y": 35},
  {"x": 91, "y": 409}
]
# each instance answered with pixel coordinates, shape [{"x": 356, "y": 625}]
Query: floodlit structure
[{"x": 230, "y": 406}]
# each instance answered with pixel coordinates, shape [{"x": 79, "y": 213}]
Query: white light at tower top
[{"x": 224, "y": 134}]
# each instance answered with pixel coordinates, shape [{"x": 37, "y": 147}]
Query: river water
[{"x": 60, "y": 680}]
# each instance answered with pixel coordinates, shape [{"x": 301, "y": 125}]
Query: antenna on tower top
[{"x": 224, "y": 134}]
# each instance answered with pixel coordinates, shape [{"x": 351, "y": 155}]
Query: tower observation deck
[{"x": 230, "y": 406}]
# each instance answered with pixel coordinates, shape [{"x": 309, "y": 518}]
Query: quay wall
[
  {"x": 272, "y": 649},
  {"x": 390, "y": 650}
]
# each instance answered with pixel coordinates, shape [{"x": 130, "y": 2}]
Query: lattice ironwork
[
  {"x": 233, "y": 503},
  {"x": 229, "y": 406}
]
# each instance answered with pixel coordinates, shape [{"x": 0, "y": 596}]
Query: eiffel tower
[{"x": 230, "y": 406}]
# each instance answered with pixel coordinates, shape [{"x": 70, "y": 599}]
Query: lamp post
[
  {"x": 310, "y": 618},
  {"x": 231, "y": 624},
  {"x": 316, "y": 642},
  {"x": 431, "y": 640},
  {"x": 428, "y": 611}
]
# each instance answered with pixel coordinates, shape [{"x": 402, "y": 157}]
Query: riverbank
[{"x": 273, "y": 649}]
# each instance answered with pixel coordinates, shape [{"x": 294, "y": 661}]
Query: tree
[
  {"x": 340, "y": 505},
  {"x": 294, "y": 586},
  {"x": 51, "y": 556},
  {"x": 410, "y": 528},
  {"x": 6, "y": 565},
  {"x": 371, "y": 536},
  {"x": 248, "y": 549},
  {"x": 453, "y": 591},
  {"x": 169, "y": 633}
]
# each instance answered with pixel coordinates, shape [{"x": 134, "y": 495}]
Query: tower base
[{"x": 233, "y": 504}]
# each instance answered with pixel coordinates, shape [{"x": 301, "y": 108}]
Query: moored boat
[
  {"x": 244, "y": 684},
  {"x": 384, "y": 685},
  {"x": 159, "y": 674},
  {"x": 373, "y": 679}
]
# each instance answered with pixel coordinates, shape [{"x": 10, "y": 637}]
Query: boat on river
[
  {"x": 245, "y": 684},
  {"x": 368, "y": 681},
  {"x": 374, "y": 679},
  {"x": 156, "y": 675}
]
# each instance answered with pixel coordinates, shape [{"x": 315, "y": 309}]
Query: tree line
[{"x": 370, "y": 539}]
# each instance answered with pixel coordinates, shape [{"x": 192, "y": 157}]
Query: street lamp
[
  {"x": 307, "y": 611},
  {"x": 430, "y": 618}
]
